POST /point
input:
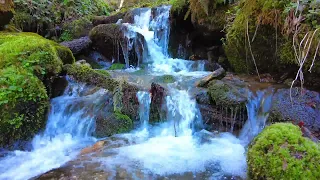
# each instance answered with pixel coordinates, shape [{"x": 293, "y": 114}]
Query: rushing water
[{"x": 172, "y": 149}]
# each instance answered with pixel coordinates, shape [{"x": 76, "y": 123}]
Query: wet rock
[
  {"x": 97, "y": 20},
  {"x": 97, "y": 146},
  {"x": 158, "y": 94},
  {"x": 78, "y": 46},
  {"x": 125, "y": 99},
  {"x": 113, "y": 123},
  {"x": 217, "y": 74},
  {"x": 58, "y": 86},
  {"x": 111, "y": 41},
  {"x": 304, "y": 107}
]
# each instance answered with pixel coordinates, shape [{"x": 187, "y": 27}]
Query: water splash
[{"x": 144, "y": 108}]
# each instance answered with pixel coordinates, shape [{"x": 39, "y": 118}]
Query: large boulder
[
  {"x": 280, "y": 152},
  {"x": 114, "y": 42},
  {"x": 299, "y": 107},
  {"x": 6, "y": 12}
]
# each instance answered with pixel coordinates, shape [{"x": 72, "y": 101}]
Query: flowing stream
[{"x": 174, "y": 149}]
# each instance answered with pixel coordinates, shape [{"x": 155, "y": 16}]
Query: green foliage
[
  {"x": 178, "y": 5},
  {"x": 116, "y": 66},
  {"x": 66, "y": 36},
  {"x": 23, "y": 104},
  {"x": 44, "y": 15},
  {"x": 280, "y": 152}
]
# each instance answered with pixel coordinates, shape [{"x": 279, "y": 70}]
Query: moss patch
[
  {"x": 116, "y": 66},
  {"x": 88, "y": 75},
  {"x": 23, "y": 105},
  {"x": 33, "y": 52},
  {"x": 280, "y": 152}
]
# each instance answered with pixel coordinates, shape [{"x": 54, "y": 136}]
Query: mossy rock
[
  {"x": 115, "y": 123},
  {"x": 6, "y": 12},
  {"x": 281, "y": 152},
  {"x": 227, "y": 93},
  {"x": 23, "y": 105},
  {"x": 268, "y": 14},
  {"x": 125, "y": 99},
  {"x": 33, "y": 52},
  {"x": 90, "y": 76}
]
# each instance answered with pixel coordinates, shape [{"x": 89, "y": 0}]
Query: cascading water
[
  {"x": 166, "y": 150},
  {"x": 69, "y": 128}
]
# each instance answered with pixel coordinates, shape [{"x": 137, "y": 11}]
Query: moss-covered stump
[
  {"x": 23, "y": 105},
  {"x": 114, "y": 123},
  {"x": 6, "y": 12},
  {"x": 90, "y": 76},
  {"x": 280, "y": 152}
]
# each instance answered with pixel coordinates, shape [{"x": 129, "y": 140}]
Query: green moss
[
  {"x": 226, "y": 94},
  {"x": 103, "y": 72},
  {"x": 116, "y": 66},
  {"x": 88, "y": 75},
  {"x": 178, "y": 5},
  {"x": 23, "y": 105},
  {"x": 126, "y": 124},
  {"x": 280, "y": 152},
  {"x": 33, "y": 52},
  {"x": 165, "y": 79}
]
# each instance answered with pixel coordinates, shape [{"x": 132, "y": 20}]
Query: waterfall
[
  {"x": 70, "y": 125},
  {"x": 144, "y": 108},
  {"x": 258, "y": 108}
]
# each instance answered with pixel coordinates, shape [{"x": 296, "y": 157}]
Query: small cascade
[
  {"x": 144, "y": 108},
  {"x": 70, "y": 125},
  {"x": 258, "y": 108},
  {"x": 160, "y": 24}
]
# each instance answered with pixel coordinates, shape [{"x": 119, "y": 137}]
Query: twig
[{"x": 254, "y": 61}]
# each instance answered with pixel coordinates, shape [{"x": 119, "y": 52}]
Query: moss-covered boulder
[
  {"x": 33, "y": 52},
  {"x": 125, "y": 99},
  {"x": 23, "y": 105},
  {"x": 86, "y": 74},
  {"x": 114, "y": 123},
  {"x": 29, "y": 65},
  {"x": 280, "y": 152},
  {"x": 6, "y": 12}
]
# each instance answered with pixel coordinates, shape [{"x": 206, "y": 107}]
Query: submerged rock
[{"x": 280, "y": 152}]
